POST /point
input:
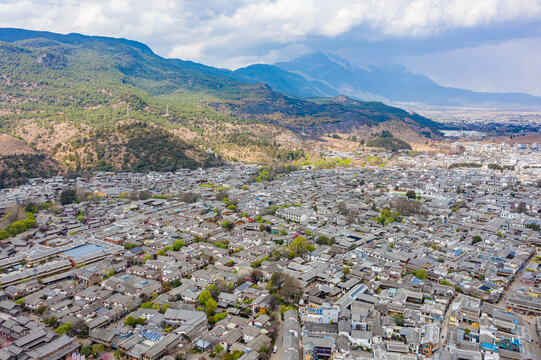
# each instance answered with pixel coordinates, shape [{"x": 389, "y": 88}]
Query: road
[
  {"x": 527, "y": 321},
  {"x": 278, "y": 344},
  {"x": 445, "y": 325}
]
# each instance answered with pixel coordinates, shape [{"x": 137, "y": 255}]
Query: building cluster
[{"x": 389, "y": 262}]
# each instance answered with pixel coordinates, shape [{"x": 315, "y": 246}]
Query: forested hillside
[{"x": 88, "y": 103}]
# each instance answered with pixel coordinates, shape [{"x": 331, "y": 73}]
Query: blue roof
[{"x": 489, "y": 346}]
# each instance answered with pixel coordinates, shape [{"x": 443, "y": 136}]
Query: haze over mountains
[
  {"x": 317, "y": 74},
  {"x": 327, "y": 75}
]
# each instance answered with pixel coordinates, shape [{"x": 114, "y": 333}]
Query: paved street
[{"x": 278, "y": 344}]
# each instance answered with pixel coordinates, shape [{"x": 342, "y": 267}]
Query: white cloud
[
  {"x": 205, "y": 26},
  {"x": 232, "y": 33}
]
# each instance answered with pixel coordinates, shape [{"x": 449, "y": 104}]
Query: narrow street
[
  {"x": 445, "y": 325},
  {"x": 278, "y": 344},
  {"x": 527, "y": 321}
]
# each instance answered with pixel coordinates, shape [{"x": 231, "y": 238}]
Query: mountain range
[
  {"x": 85, "y": 103},
  {"x": 318, "y": 74}
]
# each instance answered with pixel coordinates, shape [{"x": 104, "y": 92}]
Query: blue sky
[{"x": 487, "y": 45}]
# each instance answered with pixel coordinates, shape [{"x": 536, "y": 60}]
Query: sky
[{"x": 484, "y": 45}]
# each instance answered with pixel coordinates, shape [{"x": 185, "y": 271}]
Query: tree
[
  {"x": 533, "y": 226},
  {"x": 291, "y": 289},
  {"x": 63, "y": 329},
  {"x": 178, "y": 244},
  {"x": 52, "y": 321},
  {"x": 345, "y": 270},
  {"x": 204, "y": 296},
  {"x": 210, "y": 306},
  {"x": 343, "y": 208},
  {"x": 405, "y": 206},
  {"x": 222, "y": 195},
  {"x": 421, "y": 274},
  {"x": 522, "y": 207},
  {"x": 188, "y": 197},
  {"x": 86, "y": 350},
  {"x": 140, "y": 321},
  {"x": 164, "y": 308},
  {"x": 97, "y": 349},
  {"x": 387, "y": 217},
  {"x": 256, "y": 276},
  {"x": 410, "y": 194},
  {"x": 85, "y": 331},
  {"x": 130, "y": 321},
  {"x": 323, "y": 240},
  {"x": 476, "y": 239},
  {"x": 119, "y": 354},
  {"x": 300, "y": 246},
  {"x": 398, "y": 320},
  {"x": 68, "y": 196},
  {"x": 144, "y": 195}
]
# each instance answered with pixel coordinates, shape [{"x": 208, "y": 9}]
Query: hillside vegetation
[
  {"x": 76, "y": 99},
  {"x": 388, "y": 143}
]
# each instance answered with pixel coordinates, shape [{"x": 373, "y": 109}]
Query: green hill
[{"x": 58, "y": 90}]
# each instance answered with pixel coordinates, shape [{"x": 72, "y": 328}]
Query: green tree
[
  {"x": 204, "y": 296},
  {"x": 178, "y": 244},
  {"x": 300, "y": 246},
  {"x": 119, "y": 354},
  {"x": 86, "y": 350},
  {"x": 97, "y": 349},
  {"x": 324, "y": 240},
  {"x": 421, "y": 274},
  {"x": 68, "y": 196},
  {"x": 64, "y": 329},
  {"x": 476, "y": 239},
  {"x": 85, "y": 331},
  {"x": 52, "y": 321},
  {"x": 210, "y": 306},
  {"x": 130, "y": 321},
  {"x": 398, "y": 320},
  {"x": 410, "y": 194}
]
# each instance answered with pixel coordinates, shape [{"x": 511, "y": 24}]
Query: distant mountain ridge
[{"x": 333, "y": 75}]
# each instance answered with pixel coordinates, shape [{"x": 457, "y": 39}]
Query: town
[{"x": 411, "y": 256}]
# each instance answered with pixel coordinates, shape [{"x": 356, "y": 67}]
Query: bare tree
[
  {"x": 343, "y": 208},
  {"x": 291, "y": 289},
  {"x": 406, "y": 207}
]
